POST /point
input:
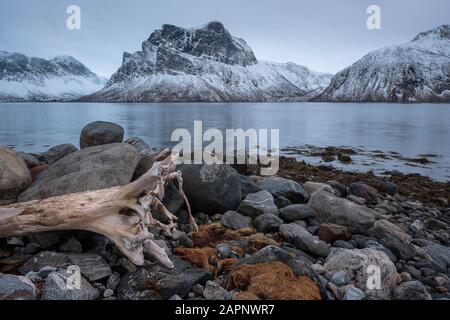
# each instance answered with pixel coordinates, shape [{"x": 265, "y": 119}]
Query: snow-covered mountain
[
  {"x": 205, "y": 64},
  {"x": 62, "y": 78},
  {"x": 418, "y": 71}
]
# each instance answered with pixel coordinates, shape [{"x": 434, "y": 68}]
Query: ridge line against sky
[{"x": 324, "y": 35}]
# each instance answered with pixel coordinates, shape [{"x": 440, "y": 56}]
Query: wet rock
[
  {"x": 213, "y": 291},
  {"x": 313, "y": 187},
  {"x": 256, "y": 204},
  {"x": 156, "y": 282},
  {"x": 88, "y": 169},
  {"x": 100, "y": 133},
  {"x": 388, "y": 187},
  {"x": 92, "y": 266},
  {"x": 289, "y": 189},
  {"x": 56, "y": 153},
  {"x": 362, "y": 190},
  {"x": 14, "y": 176},
  {"x": 173, "y": 200},
  {"x": 359, "y": 264},
  {"x": 330, "y": 232},
  {"x": 411, "y": 290},
  {"x": 56, "y": 288},
  {"x": 248, "y": 186},
  {"x": 234, "y": 220},
  {"x": 394, "y": 238},
  {"x": 16, "y": 288},
  {"x": 339, "y": 187},
  {"x": 267, "y": 223},
  {"x": 303, "y": 240},
  {"x": 353, "y": 293},
  {"x": 282, "y": 202},
  {"x": 297, "y": 212},
  {"x": 331, "y": 209},
  {"x": 212, "y": 188}
]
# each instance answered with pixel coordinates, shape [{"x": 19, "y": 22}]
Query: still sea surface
[{"x": 412, "y": 130}]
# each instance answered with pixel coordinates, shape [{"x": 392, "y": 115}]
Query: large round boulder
[
  {"x": 212, "y": 188},
  {"x": 99, "y": 133},
  {"x": 332, "y": 209},
  {"x": 88, "y": 169},
  {"x": 371, "y": 270},
  {"x": 14, "y": 175}
]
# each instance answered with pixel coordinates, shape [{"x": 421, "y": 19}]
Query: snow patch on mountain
[{"x": 418, "y": 71}]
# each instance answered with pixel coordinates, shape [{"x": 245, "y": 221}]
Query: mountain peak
[
  {"x": 439, "y": 33},
  {"x": 212, "y": 41}
]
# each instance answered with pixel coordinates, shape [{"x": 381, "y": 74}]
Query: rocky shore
[{"x": 309, "y": 233}]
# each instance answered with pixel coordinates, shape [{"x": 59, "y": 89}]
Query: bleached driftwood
[{"x": 122, "y": 214}]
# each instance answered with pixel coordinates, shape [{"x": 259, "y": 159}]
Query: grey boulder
[
  {"x": 234, "y": 220},
  {"x": 256, "y": 204},
  {"x": 303, "y": 240},
  {"x": 59, "y": 285},
  {"x": 289, "y": 189},
  {"x": 297, "y": 212},
  {"x": 16, "y": 288},
  {"x": 212, "y": 188},
  {"x": 88, "y": 169},
  {"x": 332, "y": 209}
]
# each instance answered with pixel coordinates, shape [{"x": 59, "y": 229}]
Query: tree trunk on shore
[{"x": 122, "y": 214}]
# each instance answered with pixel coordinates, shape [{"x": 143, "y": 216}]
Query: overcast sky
[{"x": 325, "y": 35}]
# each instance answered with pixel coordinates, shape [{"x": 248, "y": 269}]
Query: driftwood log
[{"x": 122, "y": 214}]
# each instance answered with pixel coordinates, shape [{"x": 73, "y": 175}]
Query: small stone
[
  {"x": 198, "y": 290},
  {"x": 267, "y": 223},
  {"x": 353, "y": 293},
  {"x": 340, "y": 278},
  {"x": 56, "y": 288},
  {"x": 343, "y": 244},
  {"x": 313, "y": 187},
  {"x": 282, "y": 202},
  {"x": 330, "y": 232},
  {"x": 417, "y": 226},
  {"x": 72, "y": 246},
  {"x": 56, "y": 153},
  {"x": 224, "y": 250},
  {"x": 289, "y": 189},
  {"x": 405, "y": 276},
  {"x": 108, "y": 293},
  {"x": 411, "y": 290},
  {"x": 362, "y": 190},
  {"x": 175, "y": 297},
  {"x": 91, "y": 265},
  {"x": 339, "y": 187},
  {"x": 297, "y": 212},
  {"x": 235, "y": 221},
  {"x": 213, "y": 291},
  {"x": 256, "y": 204},
  {"x": 113, "y": 281},
  {"x": 185, "y": 241}
]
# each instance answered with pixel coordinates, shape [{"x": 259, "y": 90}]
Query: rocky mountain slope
[
  {"x": 417, "y": 71},
  {"x": 62, "y": 78},
  {"x": 205, "y": 64}
]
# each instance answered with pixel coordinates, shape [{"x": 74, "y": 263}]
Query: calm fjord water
[{"x": 410, "y": 130}]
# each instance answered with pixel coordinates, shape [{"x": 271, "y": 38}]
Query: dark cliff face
[{"x": 212, "y": 41}]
